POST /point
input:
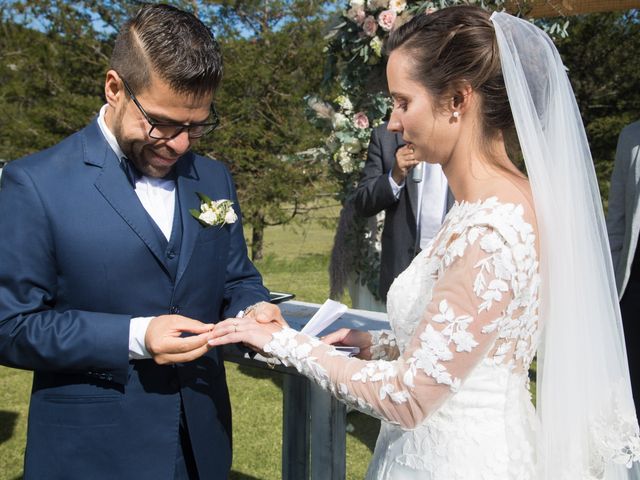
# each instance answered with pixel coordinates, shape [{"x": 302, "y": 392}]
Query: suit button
[
  {"x": 174, "y": 309},
  {"x": 171, "y": 254}
]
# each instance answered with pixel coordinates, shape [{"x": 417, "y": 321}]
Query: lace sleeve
[
  {"x": 474, "y": 310},
  {"x": 383, "y": 345}
]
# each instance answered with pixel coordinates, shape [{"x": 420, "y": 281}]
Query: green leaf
[{"x": 203, "y": 197}]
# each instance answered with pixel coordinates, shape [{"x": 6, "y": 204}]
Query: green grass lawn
[{"x": 296, "y": 260}]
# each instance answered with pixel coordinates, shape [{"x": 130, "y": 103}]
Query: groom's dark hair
[{"x": 172, "y": 44}]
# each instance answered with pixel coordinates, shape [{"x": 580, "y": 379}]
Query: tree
[
  {"x": 48, "y": 86},
  {"x": 54, "y": 54},
  {"x": 273, "y": 55},
  {"x": 601, "y": 54}
]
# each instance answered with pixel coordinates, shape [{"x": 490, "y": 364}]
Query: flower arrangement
[
  {"x": 214, "y": 212},
  {"x": 355, "y": 60}
]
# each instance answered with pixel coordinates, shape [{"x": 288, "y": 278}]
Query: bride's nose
[{"x": 394, "y": 124}]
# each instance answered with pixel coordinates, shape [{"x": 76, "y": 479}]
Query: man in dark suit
[
  {"x": 104, "y": 271},
  {"x": 385, "y": 185},
  {"x": 623, "y": 225}
]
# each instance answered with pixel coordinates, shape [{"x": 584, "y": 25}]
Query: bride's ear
[{"x": 461, "y": 99}]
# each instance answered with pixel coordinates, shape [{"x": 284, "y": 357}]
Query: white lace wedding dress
[{"x": 450, "y": 381}]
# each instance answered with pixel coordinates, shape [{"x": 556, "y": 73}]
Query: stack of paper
[{"x": 328, "y": 313}]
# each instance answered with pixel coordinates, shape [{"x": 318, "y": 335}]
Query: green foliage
[
  {"x": 261, "y": 104},
  {"x": 48, "y": 87},
  {"x": 601, "y": 54},
  {"x": 355, "y": 61},
  {"x": 54, "y": 55}
]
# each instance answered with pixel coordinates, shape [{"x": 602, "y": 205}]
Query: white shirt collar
[{"x": 109, "y": 137}]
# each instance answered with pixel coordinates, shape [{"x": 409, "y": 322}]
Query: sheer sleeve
[
  {"x": 474, "y": 313},
  {"x": 383, "y": 345}
]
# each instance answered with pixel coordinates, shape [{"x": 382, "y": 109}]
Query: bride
[{"x": 519, "y": 267}]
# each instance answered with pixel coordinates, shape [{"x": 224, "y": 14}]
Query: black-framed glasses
[{"x": 167, "y": 131}]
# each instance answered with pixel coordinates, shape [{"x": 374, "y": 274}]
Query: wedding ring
[{"x": 235, "y": 327}]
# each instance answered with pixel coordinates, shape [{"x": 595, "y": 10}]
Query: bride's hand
[
  {"x": 247, "y": 330},
  {"x": 265, "y": 312},
  {"x": 351, "y": 338}
]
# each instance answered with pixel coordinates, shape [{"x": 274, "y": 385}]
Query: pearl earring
[{"x": 456, "y": 114}]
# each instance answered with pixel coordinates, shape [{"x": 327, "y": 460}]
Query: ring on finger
[{"x": 235, "y": 327}]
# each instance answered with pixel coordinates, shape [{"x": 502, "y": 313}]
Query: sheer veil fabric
[{"x": 587, "y": 422}]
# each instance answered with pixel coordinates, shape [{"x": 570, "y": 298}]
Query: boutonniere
[{"x": 214, "y": 212}]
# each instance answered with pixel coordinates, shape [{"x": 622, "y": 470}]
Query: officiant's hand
[
  {"x": 246, "y": 330},
  {"x": 165, "y": 342},
  {"x": 265, "y": 312},
  {"x": 405, "y": 161},
  {"x": 351, "y": 338}
]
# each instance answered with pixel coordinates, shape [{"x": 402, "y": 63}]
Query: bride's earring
[{"x": 456, "y": 114}]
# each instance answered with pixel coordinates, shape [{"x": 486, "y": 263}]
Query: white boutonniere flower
[{"x": 214, "y": 212}]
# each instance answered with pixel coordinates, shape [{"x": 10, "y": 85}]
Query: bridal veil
[{"x": 588, "y": 427}]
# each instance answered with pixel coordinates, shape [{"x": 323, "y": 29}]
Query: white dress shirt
[
  {"x": 432, "y": 201},
  {"x": 158, "y": 197}
]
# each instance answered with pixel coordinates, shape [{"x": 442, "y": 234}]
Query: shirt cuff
[
  {"x": 395, "y": 188},
  {"x": 137, "y": 331}
]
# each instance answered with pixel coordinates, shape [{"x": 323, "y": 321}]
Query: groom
[{"x": 104, "y": 271}]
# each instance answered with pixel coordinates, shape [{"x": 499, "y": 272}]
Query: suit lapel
[
  {"x": 187, "y": 186},
  {"x": 114, "y": 186},
  {"x": 412, "y": 193},
  {"x": 410, "y": 185}
]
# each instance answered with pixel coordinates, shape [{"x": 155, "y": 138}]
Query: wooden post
[
  {"x": 296, "y": 418},
  {"x": 328, "y": 436}
]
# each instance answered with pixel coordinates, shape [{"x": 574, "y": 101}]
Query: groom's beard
[{"x": 153, "y": 158}]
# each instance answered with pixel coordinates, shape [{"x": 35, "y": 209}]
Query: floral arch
[{"x": 355, "y": 61}]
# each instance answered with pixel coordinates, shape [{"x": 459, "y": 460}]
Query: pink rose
[
  {"x": 386, "y": 19},
  {"x": 370, "y": 26},
  {"x": 360, "y": 120}
]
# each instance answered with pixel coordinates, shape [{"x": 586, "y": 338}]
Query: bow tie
[{"x": 130, "y": 171}]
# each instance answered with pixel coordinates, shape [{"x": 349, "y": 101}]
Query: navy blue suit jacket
[{"x": 79, "y": 257}]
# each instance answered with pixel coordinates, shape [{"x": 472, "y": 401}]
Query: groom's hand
[{"x": 165, "y": 342}]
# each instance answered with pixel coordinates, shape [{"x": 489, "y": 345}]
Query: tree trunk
[{"x": 257, "y": 237}]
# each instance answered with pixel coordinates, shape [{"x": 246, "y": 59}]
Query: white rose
[
  {"x": 344, "y": 160},
  {"x": 231, "y": 216},
  {"x": 397, "y": 5},
  {"x": 339, "y": 121},
  {"x": 208, "y": 217},
  {"x": 356, "y": 3},
  {"x": 344, "y": 103}
]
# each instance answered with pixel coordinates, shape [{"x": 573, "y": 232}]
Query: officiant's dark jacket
[
  {"x": 79, "y": 257},
  {"x": 374, "y": 194}
]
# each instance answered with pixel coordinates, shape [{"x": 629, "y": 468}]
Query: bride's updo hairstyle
[{"x": 451, "y": 48}]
